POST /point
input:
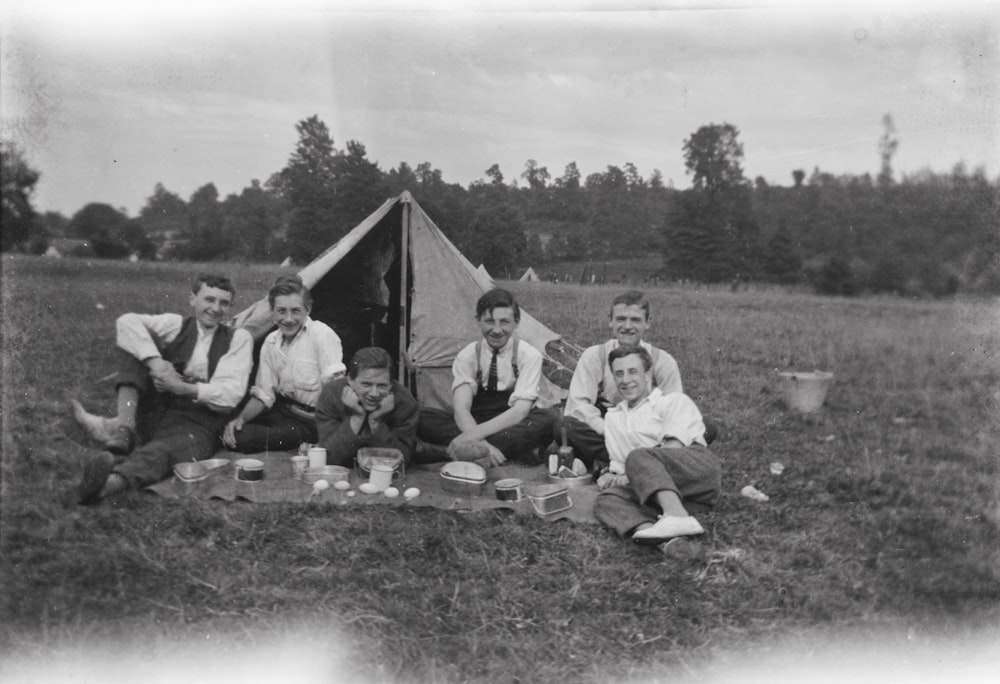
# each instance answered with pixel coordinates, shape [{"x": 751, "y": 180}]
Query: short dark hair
[
  {"x": 629, "y": 349},
  {"x": 495, "y": 299},
  {"x": 631, "y": 298},
  {"x": 286, "y": 285},
  {"x": 216, "y": 281},
  {"x": 368, "y": 358}
]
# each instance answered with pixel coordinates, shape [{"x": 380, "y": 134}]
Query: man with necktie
[{"x": 494, "y": 388}]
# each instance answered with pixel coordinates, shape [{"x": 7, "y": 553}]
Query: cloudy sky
[{"x": 109, "y": 101}]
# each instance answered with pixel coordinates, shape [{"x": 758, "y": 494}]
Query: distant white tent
[
  {"x": 133, "y": 257},
  {"x": 287, "y": 261},
  {"x": 397, "y": 282},
  {"x": 484, "y": 277},
  {"x": 529, "y": 276},
  {"x": 53, "y": 253}
]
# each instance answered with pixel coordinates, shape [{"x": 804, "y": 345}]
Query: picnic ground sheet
[{"x": 279, "y": 485}]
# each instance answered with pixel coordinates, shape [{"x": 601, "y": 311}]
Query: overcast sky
[{"x": 109, "y": 101}]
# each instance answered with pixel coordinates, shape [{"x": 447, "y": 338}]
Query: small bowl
[
  {"x": 330, "y": 473},
  {"x": 249, "y": 470},
  {"x": 509, "y": 489}
]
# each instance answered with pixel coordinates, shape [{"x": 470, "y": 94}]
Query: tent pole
[{"x": 404, "y": 258}]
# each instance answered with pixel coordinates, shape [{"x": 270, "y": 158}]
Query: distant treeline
[{"x": 926, "y": 234}]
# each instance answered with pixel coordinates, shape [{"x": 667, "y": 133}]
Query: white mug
[
  {"x": 380, "y": 476},
  {"x": 317, "y": 457}
]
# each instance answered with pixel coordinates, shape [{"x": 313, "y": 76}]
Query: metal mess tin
[
  {"x": 548, "y": 498},
  {"x": 463, "y": 477},
  {"x": 508, "y": 489}
]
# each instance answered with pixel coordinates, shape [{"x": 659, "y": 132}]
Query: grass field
[{"x": 877, "y": 557}]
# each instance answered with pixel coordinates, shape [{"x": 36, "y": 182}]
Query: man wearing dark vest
[
  {"x": 593, "y": 390},
  {"x": 494, "y": 388},
  {"x": 179, "y": 381}
]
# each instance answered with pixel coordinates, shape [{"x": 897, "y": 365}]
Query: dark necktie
[{"x": 491, "y": 380}]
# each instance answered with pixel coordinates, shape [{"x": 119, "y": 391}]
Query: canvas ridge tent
[
  {"x": 530, "y": 276},
  {"x": 397, "y": 282}
]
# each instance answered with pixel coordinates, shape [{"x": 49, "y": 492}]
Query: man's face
[
  {"x": 211, "y": 306},
  {"x": 497, "y": 326},
  {"x": 289, "y": 314},
  {"x": 372, "y": 386},
  {"x": 631, "y": 378},
  {"x": 628, "y": 323}
]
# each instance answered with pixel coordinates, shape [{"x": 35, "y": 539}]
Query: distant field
[{"x": 878, "y": 553}]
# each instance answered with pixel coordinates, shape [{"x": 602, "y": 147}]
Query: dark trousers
[
  {"x": 438, "y": 426},
  {"x": 693, "y": 473},
  {"x": 588, "y": 446},
  {"x": 169, "y": 428},
  {"x": 280, "y": 428}
]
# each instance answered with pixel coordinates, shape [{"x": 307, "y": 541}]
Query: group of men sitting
[{"x": 182, "y": 387}]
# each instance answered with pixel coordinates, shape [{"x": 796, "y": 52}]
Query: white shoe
[
  {"x": 95, "y": 426},
  {"x": 668, "y": 527}
]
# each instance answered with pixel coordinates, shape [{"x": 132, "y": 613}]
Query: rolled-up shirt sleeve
[
  {"x": 267, "y": 376},
  {"x": 144, "y": 335},
  {"x": 581, "y": 403},
  {"x": 228, "y": 385},
  {"x": 529, "y": 364},
  {"x": 329, "y": 354},
  {"x": 463, "y": 368}
]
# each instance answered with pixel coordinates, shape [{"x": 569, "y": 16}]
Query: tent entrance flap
[{"x": 359, "y": 297}]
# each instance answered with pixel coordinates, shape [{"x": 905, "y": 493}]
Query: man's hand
[
  {"x": 229, "y": 432},
  {"x": 611, "y": 480},
  {"x": 386, "y": 407},
  {"x": 166, "y": 379},
  {"x": 351, "y": 401}
]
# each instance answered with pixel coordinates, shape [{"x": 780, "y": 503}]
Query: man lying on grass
[
  {"x": 660, "y": 463},
  {"x": 494, "y": 414},
  {"x": 593, "y": 390},
  {"x": 179, "y": 380}
]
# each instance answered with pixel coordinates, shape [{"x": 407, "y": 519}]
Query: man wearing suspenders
[
  {"x": 494, "y": 387},
  {"x": 593, "y": 390}
]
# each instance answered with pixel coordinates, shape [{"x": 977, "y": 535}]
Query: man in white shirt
[
  {"x": 660, "y": 464},
  {"x": 181, "y": 379},
  {"x": 494, "y": 389},
  {"x": 593, "y": 390},
  {"x": 296, "y": 360}
]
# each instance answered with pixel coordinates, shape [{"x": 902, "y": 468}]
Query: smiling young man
[
  {"x": 296, "y": 360},
  {"x": 179, "y": 379},
  {"x": 592, "y": 389},
  {"x": 494, "y": 388},
  {"x": 366, "y": 409},
  {"x": 660, "y": 464}
]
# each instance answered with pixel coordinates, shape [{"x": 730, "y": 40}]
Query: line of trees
[{"x": 926, "y": 234}]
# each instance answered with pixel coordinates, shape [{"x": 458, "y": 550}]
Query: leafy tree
[
  {"x": 537, "y": 176},
  {"x": 251, "y": 222},
  {"x": 713, "y": 156},
  {"x": 309, "y": 184},
  {"x": 887, "y": 145},
  {"x": 837, "y": 278},
  {"x": 359, "y": 188},
  {"x": 208, "y": 242},
  {"x": 495, "y": 175},
  {"x": 19, "y": 219},
  {"x": 798, "y": 176},
  {"x": 781, "y": 262},
  {"x": 500, "y": 243},
  {"x": 164, "y": 213},
  {"x": 110, "y": 232}
]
